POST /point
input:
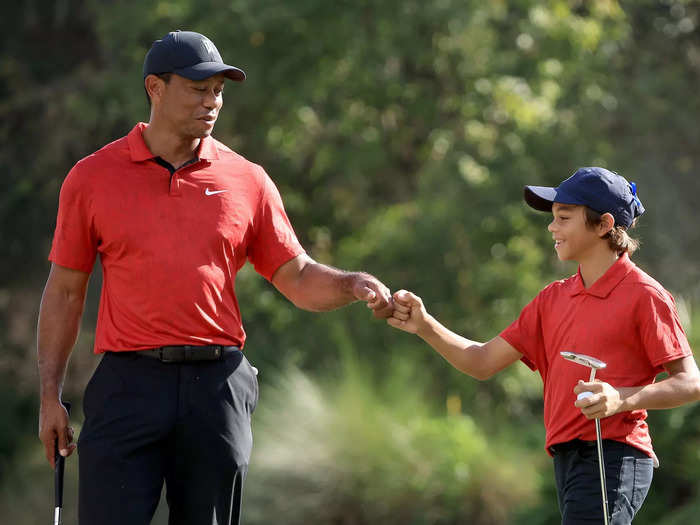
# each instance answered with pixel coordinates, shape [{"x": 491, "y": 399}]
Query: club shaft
[
  {"x": 58, "y": 480},
  {"x": 601, "y": 464},
  {"x": 60, "y": 463},
  {"x": 601, "y": 468}
]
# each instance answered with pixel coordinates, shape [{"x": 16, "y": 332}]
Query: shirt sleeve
[
  {"x": 660, "y": 328},
  {"x": 525, "y": 334},
  {"x": 75, "y": 240},
  {"x": 274, "y": 242}
]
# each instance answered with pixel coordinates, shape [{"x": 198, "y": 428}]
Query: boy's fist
[{"x": 409, "y": 313}]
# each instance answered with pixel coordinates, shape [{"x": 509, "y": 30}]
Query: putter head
[{"x": 585, "y": 360}]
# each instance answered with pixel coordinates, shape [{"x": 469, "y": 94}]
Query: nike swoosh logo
[{"x": 209, "y": 192}]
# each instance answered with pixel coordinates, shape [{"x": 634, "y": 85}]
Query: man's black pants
[
  {"x": 147, "y": 422},
  {"x": 628, "y": 473}
]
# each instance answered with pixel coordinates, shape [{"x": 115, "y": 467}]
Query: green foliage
[
  {"x": 352, "y": 451},
  {"x": 27, "y": 495},
  {"x": 19, "y": 414}
]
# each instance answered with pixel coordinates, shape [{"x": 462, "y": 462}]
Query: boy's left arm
[{"x": 680, "y": 387}]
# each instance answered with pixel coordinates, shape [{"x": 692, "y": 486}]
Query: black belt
[
  {"x": 574, "y": 444},
  {"x": 187, "y": 353}
]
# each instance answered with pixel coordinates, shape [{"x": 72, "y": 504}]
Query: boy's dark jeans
[{"x": 628, "y": 473}]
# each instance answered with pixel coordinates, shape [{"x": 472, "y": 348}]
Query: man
[{"x": 174, "y": 214}]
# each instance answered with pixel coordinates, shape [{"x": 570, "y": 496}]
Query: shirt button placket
[
  {"x": 175, "y": 185},
  {"x": 579, "y": 335}
]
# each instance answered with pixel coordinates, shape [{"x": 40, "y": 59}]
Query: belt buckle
[{"x": 208, "y": 353}]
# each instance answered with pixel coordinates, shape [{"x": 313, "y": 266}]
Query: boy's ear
[{"x": 607, "y": 223}]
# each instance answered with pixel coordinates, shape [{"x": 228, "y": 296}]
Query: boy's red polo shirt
[
  {"x": 170, "y": 245},
  {"x": 625, "y": 319}
]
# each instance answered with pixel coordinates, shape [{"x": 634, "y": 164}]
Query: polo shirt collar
[
  {"x": 208, "y": 149},
  {"x": 607, "y": 283},
  {"x": 137, "y": 146},
  {"x": 139, "y": 151}
]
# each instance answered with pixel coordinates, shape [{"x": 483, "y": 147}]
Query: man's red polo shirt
[
  {"x": 170, "y": 245},
  {"x": 625, "y": 319}
]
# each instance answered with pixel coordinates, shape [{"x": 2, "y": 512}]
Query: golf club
[
  {"x": 58, "y": 477},
  {"x": 594, "y": 364}
]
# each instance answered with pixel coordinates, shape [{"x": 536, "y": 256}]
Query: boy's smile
[{"x": 573, "y": 239}]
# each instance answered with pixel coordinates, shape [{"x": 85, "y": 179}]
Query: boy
[{"x": 610, "y": 310}]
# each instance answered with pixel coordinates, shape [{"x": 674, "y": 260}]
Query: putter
[
  {"x": 594, "y": 364},
  {"x": 58, "y": 477}
]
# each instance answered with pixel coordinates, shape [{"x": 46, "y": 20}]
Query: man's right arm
[
  {"x": 479, "y": 360},
  {"x": 59, "y": 321}
]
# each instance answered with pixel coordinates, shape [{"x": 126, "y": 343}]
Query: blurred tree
[{"x": 400, "y": 134}]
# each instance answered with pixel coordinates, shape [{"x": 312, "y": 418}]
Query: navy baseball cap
[
  {"x": 188, "y": 54},
  {"x": 601, "y": 190}
]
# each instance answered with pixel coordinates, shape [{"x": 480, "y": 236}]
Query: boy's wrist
[
  {"x": 426, "y": 327},
  {"x": 626, "y": 404}
]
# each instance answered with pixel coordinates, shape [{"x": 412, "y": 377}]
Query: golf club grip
[{"x": 60, "y": 465}]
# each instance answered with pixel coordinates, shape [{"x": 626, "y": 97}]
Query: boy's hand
[
  {"x": 409, "y": 313},
  {"x": 604, "y": 402}
]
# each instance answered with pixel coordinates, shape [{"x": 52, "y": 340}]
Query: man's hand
[
  {"x": 321, "y": 288},
  {"x": 605, "y": 400},
  {"x": 377, "y": 296},
  {"x": 54, "y": 424},
  {"x": 409, "y": 313}
]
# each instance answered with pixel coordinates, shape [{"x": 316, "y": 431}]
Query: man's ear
[
  {"x": 607, "y": 223},
  {"x": 154, "y": 87}
]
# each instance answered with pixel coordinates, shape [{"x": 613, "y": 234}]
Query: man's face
[{"x": 190, "y": 107}]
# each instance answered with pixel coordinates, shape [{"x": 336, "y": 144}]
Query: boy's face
[{"x": 573, "y": 239}]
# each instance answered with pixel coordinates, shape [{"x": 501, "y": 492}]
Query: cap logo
[
  {"x": 208, "y": 47},
  {"x": 633, "y": 188}
]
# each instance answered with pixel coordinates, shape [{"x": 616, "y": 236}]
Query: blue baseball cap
[
  {"x": 601, "y": 190},
  {"x": 188, "y": 54}
]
